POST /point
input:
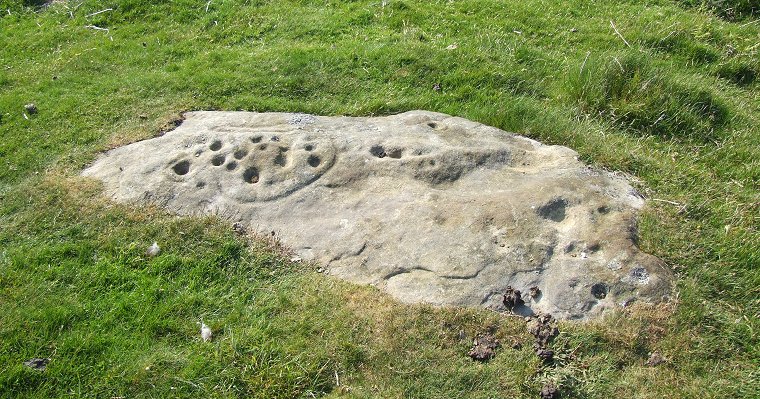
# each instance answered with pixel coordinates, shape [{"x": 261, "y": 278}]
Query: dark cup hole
[{"x": 181, "y": 168}]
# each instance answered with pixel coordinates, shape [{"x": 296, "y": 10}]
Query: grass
[
  {"x": 637, "y": 98},
  {"x": 677, "y": 108}
]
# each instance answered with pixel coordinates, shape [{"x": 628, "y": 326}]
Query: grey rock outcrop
[{"x": 427, "y": 207}]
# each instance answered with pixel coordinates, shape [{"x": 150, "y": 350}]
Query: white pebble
[
  {"x": 205, "y": 332},
  {"x": 153, "y": 250}
]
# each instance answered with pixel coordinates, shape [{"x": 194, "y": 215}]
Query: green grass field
[{"x": 665, "y": 91}]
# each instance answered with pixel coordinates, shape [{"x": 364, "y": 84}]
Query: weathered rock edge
[{"x": 427, "y": 207}]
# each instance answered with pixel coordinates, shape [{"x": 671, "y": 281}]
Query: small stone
[
  {"x": 549, "y": 391},
  {"x": 296, "y": 259},
  {"x": 534, "y": 292},
  {"x": 153, "y": 250},
  {"x": 39, "y": 364},
  {"x": 205, "y": 332},
  {"x": 573, "y": 30},
  {"x": 655, "y": 359},
  {"x": 437, "y": 87},
  {"x": 628, "y": 302},
  {"x": 30, "y": 108},
  {"x": 239, "y": 228}
]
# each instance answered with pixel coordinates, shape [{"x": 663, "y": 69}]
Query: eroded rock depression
[{"x": 427, "y": 207}]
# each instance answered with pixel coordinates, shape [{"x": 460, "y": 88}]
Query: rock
[
  {"x": 534, "y": 292},
  {"x": 153, "y": 250},
  {"x": 549, "y": 391},
  {"x": 427, "y": 207},
  {"x": 205, "y": 333},
  {"x": 30, "y": 108},
  {"x": 239, "y": 228},
  {"x": 655, "y": 359},
  {"x": 484, "y": 347},
  {"x": 39, "y": 364}
]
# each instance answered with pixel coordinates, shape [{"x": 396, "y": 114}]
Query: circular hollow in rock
[
  {"x": 554, "y": 210},
  {"x": 181, "y": 167},
  {"x": 314, "y": 161},
  {"x": 251, "y": 175},
  {"x": 217, "y": 160},
  {"x": 240, "y": 153},
  {"x": 599, "y": 290},
  {"x": 378, "y": 151},
  {"x": 215, "y": 146},
  {"x": 395, "y": 153},
  {"x": 232, "y": 165}
]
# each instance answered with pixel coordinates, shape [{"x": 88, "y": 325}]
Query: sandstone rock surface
[{"x": 427, "y": 207}]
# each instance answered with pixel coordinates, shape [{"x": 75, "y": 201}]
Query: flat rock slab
[{"x": 427, "y": 207}]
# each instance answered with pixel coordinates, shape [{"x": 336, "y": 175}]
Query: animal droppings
[
  {"x": 549, "y": 391},
  {"x": 484, "y": 348},
  {"x": 512, "y": 299}
]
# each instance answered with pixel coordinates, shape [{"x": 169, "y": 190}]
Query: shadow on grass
[
  {"x": 730, "y": 10},
  {"x": 641, "y": 99}
]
